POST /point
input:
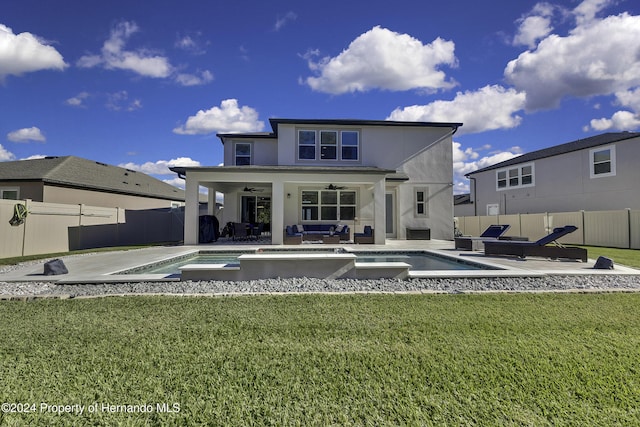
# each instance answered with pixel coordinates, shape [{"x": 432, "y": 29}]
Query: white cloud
[
  {"x": 586, "y": 11},
  {"x": 283, "y": 20},
  {"x": 383, "y": 59},
  {"x": 5, "y": 155},
  {"x": 114, "y": 56},
  {"x": 78, "y": 100},
  {"x": 26, "y": 135},
  {"x": 119, "y": 101},
  {"x": 534, "y": 26},
  {"x": 620, "y": 120},
  {"x": 25, "y": 52},
  {"x": 467, "y": 160},
  {"x": 629, "y": 98},
  {"x": 35, "y": 156},
  {"x": 228, "y": 118},
  {"x": 489, "y": 108},
  {"x": 192, "y": 43},
  {"x": 595, "y": 59},
  {"x": 161, "y": 167},
  {"x": 201, "y": 78}
]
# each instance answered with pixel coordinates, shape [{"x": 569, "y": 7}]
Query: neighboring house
[
  {"x": 74, "y": 180},
  {"x": 393, "y": 176},
  {"x": 592, "y": 174},
  {"x": 462, "y": 205}
]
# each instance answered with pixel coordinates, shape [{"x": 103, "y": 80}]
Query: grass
[
  {"x": 519, "y": 359},
  {"x": 628, "y": 257}
]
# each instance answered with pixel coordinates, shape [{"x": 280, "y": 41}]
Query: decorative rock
[
  {"x": 55, "y": 267},
  {"x": 604, "y": 263}
]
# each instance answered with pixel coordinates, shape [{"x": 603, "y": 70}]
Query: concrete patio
[{"x": 103, "y": 267}]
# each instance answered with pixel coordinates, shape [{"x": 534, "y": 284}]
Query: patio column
[
  {"x": 277, "y": 212},
  {"x": 211, "y": 201},
  {"x": 191, "y": 211},
  {"x": 379, "y": 212}
]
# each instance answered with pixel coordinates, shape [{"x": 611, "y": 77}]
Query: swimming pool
[{"x": 419, "y": 260}]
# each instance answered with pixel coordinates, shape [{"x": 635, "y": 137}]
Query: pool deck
[{"x": 103, "y": 267}]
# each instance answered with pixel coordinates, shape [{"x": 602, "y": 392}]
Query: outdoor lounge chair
[
  {"x": 467, "y": 243},
  {"x": 539, "y": 248}
]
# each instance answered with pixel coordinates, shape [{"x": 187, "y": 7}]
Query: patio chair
[
  {"x": 292, "y": 237},
  {"x": 541, "y": 247},
  {"x": 366, "y": 238},
  {"x": 257, "y": 230},
  {"x": 468, "y": 243},
  {"x": 240, "y": 231}
]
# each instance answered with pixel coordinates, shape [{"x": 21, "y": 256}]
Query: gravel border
[{"x": 603, "y": 283}]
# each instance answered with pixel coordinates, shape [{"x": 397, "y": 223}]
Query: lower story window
[
  {"x": 9, "y": 193},
  {"x": 328, "y": 205},
  {"x": 421, "y": 198}
]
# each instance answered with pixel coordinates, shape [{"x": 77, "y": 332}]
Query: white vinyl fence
[
  {"x": 615, "y": 229},
  {"x": 53, "y": 227}
]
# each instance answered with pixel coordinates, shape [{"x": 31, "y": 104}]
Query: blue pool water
[{"x": 419, "y": 261}]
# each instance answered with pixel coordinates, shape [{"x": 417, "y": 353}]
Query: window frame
[
  {"x": 235, "y": 153},
  {"x": 9, "y": 189},
  {"x": 357, "y": 145},
  {"x": 314, "y": 145},
  {"x": 339, "y": 149},
  {"x": 612, "y": 161},
  {"x": 313, "y": 212},
  {"x": 511, "y": 177},
  {"x": 418, "y": 204},
  {"x": 323, "y": 145}
]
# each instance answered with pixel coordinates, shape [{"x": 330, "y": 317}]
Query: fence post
[
  {"x": 584, "y": 231},
  {"x": 24, "y": 229},
  {"x": 629, "y": 224}
]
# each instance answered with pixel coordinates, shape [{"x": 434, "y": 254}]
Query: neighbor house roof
[
  {"x": 580, "y": 144},
  {"x": 332, "y": 122},
  {"x": 76, "y": 172}
]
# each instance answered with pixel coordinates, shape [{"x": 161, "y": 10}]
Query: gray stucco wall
[{"x": 563, "y": 183}]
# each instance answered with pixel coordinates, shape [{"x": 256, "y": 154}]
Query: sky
[{"x": 147, "y": 85}]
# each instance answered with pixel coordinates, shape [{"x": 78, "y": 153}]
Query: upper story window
[
  {"x": 330, "y": 144},
  {"x": 9, "y": 193},
  {"x": 242, "y": 153},
  {"x": 602, "y": 161},
  {"x": 515, "y": 177},
  {"x": 306, "y": 145},
  {"x": 350, "y": 145}
]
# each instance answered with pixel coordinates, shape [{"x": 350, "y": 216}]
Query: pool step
[{"x": 270, "y": 265}]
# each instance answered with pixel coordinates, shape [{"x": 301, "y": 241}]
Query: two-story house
[
  {"x": 592, "y": 174},
  {"x": 392, "y": 176}
]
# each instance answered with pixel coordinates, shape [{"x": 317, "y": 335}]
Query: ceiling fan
[
  {"x": 334, "y": 187},
  {"x": 252, "y": 189}
]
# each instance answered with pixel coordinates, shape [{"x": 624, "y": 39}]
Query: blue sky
[{"x": 147, "y": 85}]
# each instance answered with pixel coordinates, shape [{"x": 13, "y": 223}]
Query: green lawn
[
  {"x": 517, "y": 359},
  {"x": 628, "y": 257}
]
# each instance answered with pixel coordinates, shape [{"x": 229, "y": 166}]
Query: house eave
[{"x": 183, "y": 170}]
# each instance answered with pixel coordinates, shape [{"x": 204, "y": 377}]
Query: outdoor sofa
[
  {"x": 545, "y": 247},
  {"x": 316, "y": 231}
]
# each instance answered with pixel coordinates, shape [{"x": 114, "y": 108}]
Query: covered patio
[{"x": 354, "y": 196}]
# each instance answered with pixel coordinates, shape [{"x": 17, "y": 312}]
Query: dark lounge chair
[
  {"x": 541, "y": 248},
  {"x": 467, "y": 243}
]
